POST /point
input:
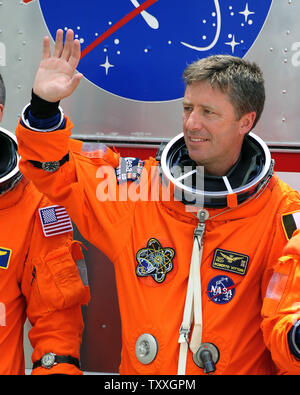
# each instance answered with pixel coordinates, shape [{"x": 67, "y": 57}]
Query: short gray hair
[{"x": 241, "y": 80}]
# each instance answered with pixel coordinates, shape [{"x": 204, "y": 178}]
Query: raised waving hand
[{"x": 56, "y": 77}]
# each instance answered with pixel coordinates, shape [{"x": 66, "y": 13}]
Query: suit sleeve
[
  {"x": 86, "y": 185},
  {"x": 55, "y": 287},
  {"x": 281, "y": 307}
]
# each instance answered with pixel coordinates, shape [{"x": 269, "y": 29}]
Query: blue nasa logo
[
  {"x": 141, "y": 55},
  {"x": 221, "y": 289}
]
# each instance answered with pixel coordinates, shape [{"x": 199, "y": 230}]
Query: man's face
[{"x": 212, "y": 133}]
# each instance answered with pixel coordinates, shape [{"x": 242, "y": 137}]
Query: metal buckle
[
  {"x": 184, "y": 335},
  {"x": 50, "y": 166}
]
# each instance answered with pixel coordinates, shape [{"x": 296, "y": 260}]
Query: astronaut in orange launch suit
[
  {"x": 39, "y": 277},
  {"x": 207, "y": 277}
]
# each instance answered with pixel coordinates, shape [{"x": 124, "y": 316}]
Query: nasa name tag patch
[
  {"x": 221, "y": 289},
  {"x": 5, "y": 254},
  {"x": 230, "y": 261}
]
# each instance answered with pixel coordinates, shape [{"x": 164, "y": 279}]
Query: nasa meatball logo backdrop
[{"x": 141, "y": 54}]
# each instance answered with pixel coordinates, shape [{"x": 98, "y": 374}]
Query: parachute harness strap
[{"x": 193, "y": 301}]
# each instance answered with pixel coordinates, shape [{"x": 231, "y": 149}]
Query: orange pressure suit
[
  {"x": 149, "y": 228},
  {"x": 39, "y": 279}
]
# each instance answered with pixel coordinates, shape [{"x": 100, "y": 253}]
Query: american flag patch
[{"x": 55, "y": 220}]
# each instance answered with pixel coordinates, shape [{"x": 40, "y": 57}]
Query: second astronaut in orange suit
[
  {"x": 39, "y": 273},
  {"x": 204, "y": 282}
]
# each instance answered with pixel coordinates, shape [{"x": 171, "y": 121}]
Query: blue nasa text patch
[{"x": 221, "y": 289}]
